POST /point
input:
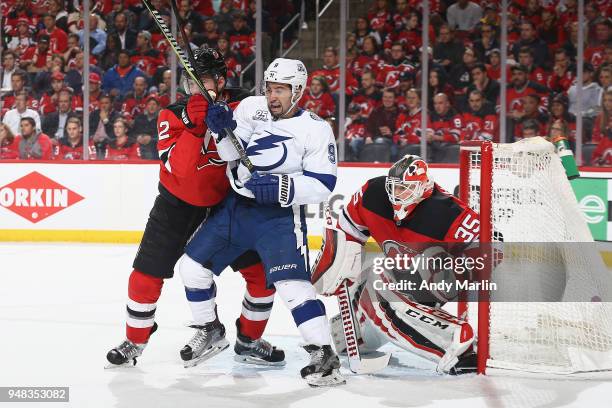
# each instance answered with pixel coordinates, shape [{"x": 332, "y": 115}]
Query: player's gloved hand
[
  {"x": 194, "y": 115},
  {"x": 271, "y": 188},
  {"x": 220, "y": 116}
]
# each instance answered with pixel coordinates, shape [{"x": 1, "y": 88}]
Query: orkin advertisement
[{"x": 103, "y": 202}]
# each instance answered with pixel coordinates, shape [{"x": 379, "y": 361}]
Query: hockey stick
[
  {"x": 187, "y": 61},
  {"x": 357, "y": 363}
]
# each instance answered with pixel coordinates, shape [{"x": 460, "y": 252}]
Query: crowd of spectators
[
  {"x": 41, "y": 76},
  {"x": 384, "y": 76},
  {"x": 41, "y": 73}
]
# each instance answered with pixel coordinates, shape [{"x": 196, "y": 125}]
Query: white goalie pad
[{"x": 339, "y": 260}]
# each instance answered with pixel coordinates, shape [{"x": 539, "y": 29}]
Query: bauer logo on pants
[{"x": 36, "y": 197}]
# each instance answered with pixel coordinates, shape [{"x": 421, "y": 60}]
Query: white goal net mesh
[{"x": 554, "y": 315}]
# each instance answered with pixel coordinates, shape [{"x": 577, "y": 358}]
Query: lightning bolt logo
[{"x": 266, "y": 143}]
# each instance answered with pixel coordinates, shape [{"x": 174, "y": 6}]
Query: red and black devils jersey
[
  {"x": 191, "y": 168},
  {"x": 439, "y": 218}
]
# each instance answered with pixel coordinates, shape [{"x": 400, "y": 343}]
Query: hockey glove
[
  {"x": 271, "y": 188},
  {"x": 220, "y": 116},
  {"x": 194, "y": 115}
]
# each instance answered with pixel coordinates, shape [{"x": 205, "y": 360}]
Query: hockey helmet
[
  {"x": 291, "y": 72},
  {"x": 407, "y": 185},
  {"x": 207, "y": 62}
]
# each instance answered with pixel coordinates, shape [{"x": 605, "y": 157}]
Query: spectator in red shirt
[
  {"x": 382, "y": 121},
  {"x": 494, "y": 64},
  {"x": 445, "y": 121},
  {"x": 531, "y": 111},
  {"x": 317, "y": 98},
  {"x": 368, "y": 97},
  {"x": 536, "y": 73},
  {"x": 232, "y": 61},
  {"x": 95, "y": 92},
  {"x": 48, "y": 102},
  {"x": 594, "y": 53},
  {"x": 479, "y": 119},
  {"x": 408, "y": 124},
  {"x": 70, "y": 147},
  {"x": 603, "y": 121},
  {"x": 602, "y": 155},
  {"x": 331, "y": 72},
  {"x": 135, "y": 101},
  {"x": 121, "y": 148},
  {"x": 33, "y": 145},
  {"x": 563, "y": 74},
  {"x": 396, "y": 64},
  {"x": 146, "y": 58},
  {"x": 520, "y": 88},
  {"x": 22, "y": 37},
  {"x": 241, "y": 37},
  {"x": 355, "y": 130},
  {"x": 58, "y": 37},
  {"x": 9, "y": 149},
  {"x": 38, "y": 58},
  {"x": 369, "y": 59}
]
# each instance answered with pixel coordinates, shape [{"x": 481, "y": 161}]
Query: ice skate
[
  {"x": 258, "y": 352},
  {"x": 125, "y": 354},
  {"x": 208, "y": 341},
  {"x": 467, "y": 364},
  {"x": 323, "y": 369}
]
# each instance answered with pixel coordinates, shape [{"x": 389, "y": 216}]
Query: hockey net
[{"x": 524, "y": 198}]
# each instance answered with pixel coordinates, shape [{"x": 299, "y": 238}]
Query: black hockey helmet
[{"x": 209, "y": 61}]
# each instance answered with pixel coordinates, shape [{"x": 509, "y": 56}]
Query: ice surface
[{"x": 62, "y": 307}]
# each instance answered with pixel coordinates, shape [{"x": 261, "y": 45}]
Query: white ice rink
[{"x": 63, "y": 306}]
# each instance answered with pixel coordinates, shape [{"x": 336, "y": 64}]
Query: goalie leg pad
[{"x": 339, "y": 260}]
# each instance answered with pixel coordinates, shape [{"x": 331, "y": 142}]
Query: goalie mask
[
  {"x": 407, "y": 185},
  {"x": 208, "y": 63}
]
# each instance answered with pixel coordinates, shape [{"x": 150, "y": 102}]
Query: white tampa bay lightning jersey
[{"x": 302, "y": 147}]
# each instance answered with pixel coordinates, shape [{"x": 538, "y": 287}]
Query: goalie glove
[{"x": 339, "y": 260}]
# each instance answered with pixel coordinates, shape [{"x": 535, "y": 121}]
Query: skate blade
[
  {"x": 127, "y": 364},
  {"x": 209, "y": 353},
  {"x": 331, "y": 380},
  {"x": 245, "y": 359}
]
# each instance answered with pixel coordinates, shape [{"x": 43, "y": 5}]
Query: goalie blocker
[{"x": 416, "y": 211}]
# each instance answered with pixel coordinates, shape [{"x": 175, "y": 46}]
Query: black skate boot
[
  {"x": 208, "y": 341},
  {"x": 259, "y": 352},
  {"x": 323, "y": 369},
  {"x": 126, "y": 353}
]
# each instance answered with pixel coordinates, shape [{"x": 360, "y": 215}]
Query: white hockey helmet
[{"x": 291, "y": 72}]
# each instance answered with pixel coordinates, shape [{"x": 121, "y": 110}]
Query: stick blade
[{"x": 369, "y": 364}]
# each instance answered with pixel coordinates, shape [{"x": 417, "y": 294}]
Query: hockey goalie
[{"x": 405, "y": 213}]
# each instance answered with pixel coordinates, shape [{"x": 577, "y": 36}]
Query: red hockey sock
[
  {"x": 257, "y": 303},
  {"x": 143, "y": 293}
]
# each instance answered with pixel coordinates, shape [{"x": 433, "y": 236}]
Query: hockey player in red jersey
[
  {"x": 192, "y": 181},
  {"x": 405, "y": 213}
]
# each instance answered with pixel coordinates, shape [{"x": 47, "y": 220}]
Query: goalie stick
[
  {"x": 187, "y": 61},
  {"x": 357, "y": 363}
]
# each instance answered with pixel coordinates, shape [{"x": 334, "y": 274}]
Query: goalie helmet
[
  {"x": 407, "y": 185},
  {"x": 291, "y": 72}
]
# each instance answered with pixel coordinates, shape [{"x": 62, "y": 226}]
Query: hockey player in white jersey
[{"x": 294, "y": 155}]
